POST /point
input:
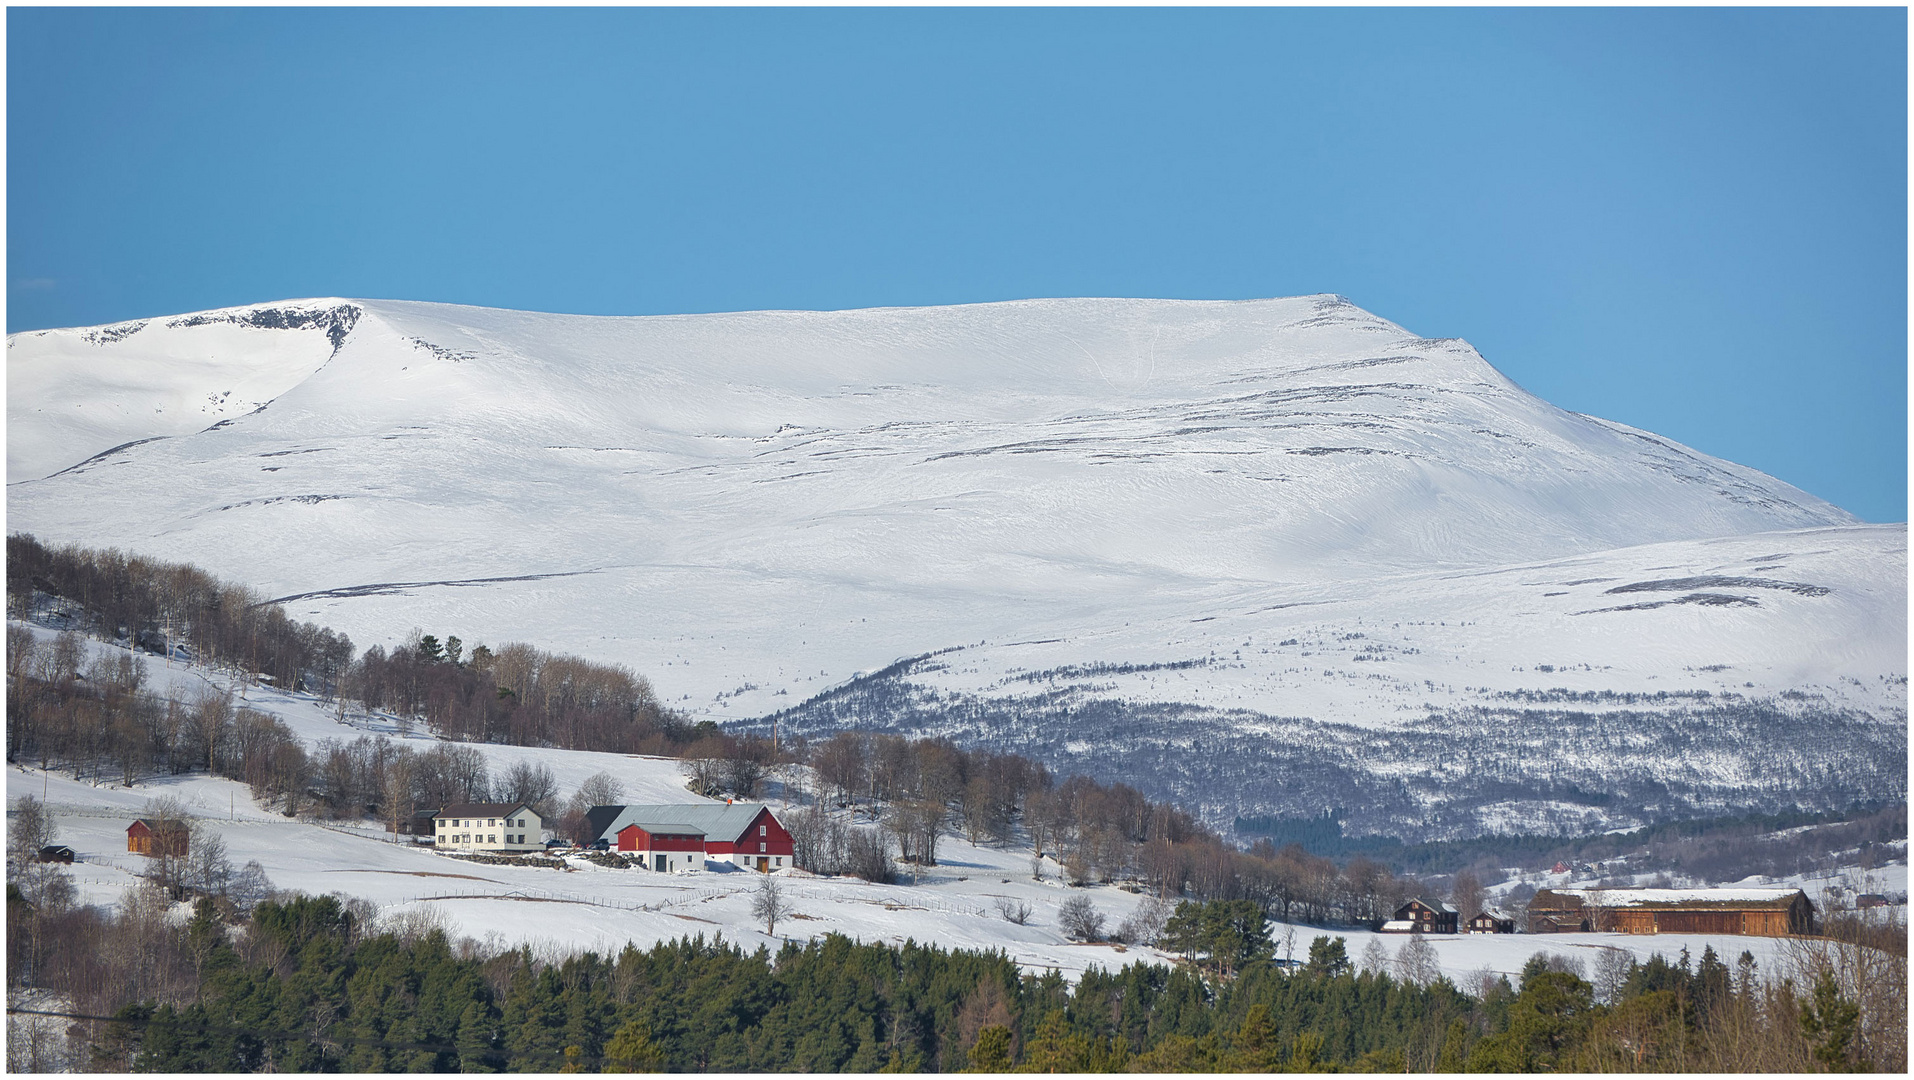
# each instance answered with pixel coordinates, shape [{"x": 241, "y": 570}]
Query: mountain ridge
[{"x": 749, "y": 506}]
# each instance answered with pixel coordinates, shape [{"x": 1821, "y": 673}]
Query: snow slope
[
  {"x": 599, "y": 909},
  {"x": 954, "y": 905},
  {"x": 756, "y": 508}
]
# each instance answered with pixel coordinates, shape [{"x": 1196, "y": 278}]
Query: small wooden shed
[{"x": 155, "y": 838}]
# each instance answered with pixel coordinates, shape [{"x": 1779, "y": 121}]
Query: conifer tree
[{"x": 991, "y": 1053}]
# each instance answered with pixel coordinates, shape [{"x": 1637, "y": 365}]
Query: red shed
[
  {"x": 153, "y": 838},
  {"x": 664, "y": 846}
]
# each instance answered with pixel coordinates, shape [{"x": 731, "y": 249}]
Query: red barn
[
  {"x": 663, "y": 846},
  {"x": 744, "y": 834},
  {"x": 155, "y": 838}
]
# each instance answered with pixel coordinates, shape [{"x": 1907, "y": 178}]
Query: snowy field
[{"x": 593, "y": 908}]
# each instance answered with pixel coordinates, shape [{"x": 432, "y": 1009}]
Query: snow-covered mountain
[{"x": 1268, "y": 556}]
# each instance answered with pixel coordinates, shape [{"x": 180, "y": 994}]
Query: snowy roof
[
  {"x": 657, "y": 828},
  {"x": 1646, "y": 897},
  {"x": 1397, "y": 924},
  {"x": 481, "y": 809},
  {"x": 721, "y": 821},
  {"x": 1434, "y": 905}
]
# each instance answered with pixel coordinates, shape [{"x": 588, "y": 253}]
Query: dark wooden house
[
  {"x": 155, "y": 838},
  {"x": 1491, "y": 921},
  {"x": 59, "y": 853},
  {"x": 1429, "y": 916},
  {"x": 1762, "y": 912}
]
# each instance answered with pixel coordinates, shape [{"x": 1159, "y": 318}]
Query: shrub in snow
[{"x": 1080, "y": 919}]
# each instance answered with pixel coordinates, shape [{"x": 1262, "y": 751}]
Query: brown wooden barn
[
  {"x": 155, "y": 838},
  {"x": 1762, "y": 912}
]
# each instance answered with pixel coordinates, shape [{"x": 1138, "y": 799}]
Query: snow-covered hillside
[
  {"x": 955, "y": 905},
  {"x": 1329, "y": 525}
]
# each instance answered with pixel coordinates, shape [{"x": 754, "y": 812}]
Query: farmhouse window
[{"x": 761, "y": 829}]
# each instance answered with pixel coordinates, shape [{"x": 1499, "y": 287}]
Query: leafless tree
[
  {"x": 167, "y": 866},
  {"x": 1014, "y": 911},
  {"x": 532, "y": 783},
  {"x": 707, "y": 775},
  {"x": 250, "y": 886},
  {"x": 1145, "y": 924},
  {"x": 1466, "y": 894},
  {"x": 768, "y": 904},
  {"x": 30, "y": 830},
  {"x": 601, "y": 789},
  {"x": 1375, "y": 958},
  {"x": 207, "y": 870},
  {"x": 1416, "y": 961},
  {"x": 1080, "y": 919},
  {"x": 396, "y": 790},
  {"x": 1612, "y": 969}
]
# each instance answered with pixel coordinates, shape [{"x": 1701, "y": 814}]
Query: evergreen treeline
[{"x": 307, "y": 985}]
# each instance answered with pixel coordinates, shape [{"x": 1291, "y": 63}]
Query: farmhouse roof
[
  {"x": 722, "y": 821},
  {"x": 482, "y": 809},
  {"x": 1434, "y": 905},
  {"x": 1686, "y": 898}
]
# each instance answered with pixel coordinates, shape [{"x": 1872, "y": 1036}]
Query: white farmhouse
[{"x": 487, "y": 827}]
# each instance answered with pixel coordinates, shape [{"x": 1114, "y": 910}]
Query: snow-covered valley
[{"x": 1260, "y": 557}]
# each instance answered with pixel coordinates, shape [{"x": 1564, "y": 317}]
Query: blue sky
[{"x": 1693, "y": 221}]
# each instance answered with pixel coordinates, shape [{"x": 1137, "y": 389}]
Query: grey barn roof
[{"x": 724, "y": 822}]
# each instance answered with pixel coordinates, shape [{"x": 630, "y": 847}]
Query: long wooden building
[{"x": 1761, "y": 912}]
